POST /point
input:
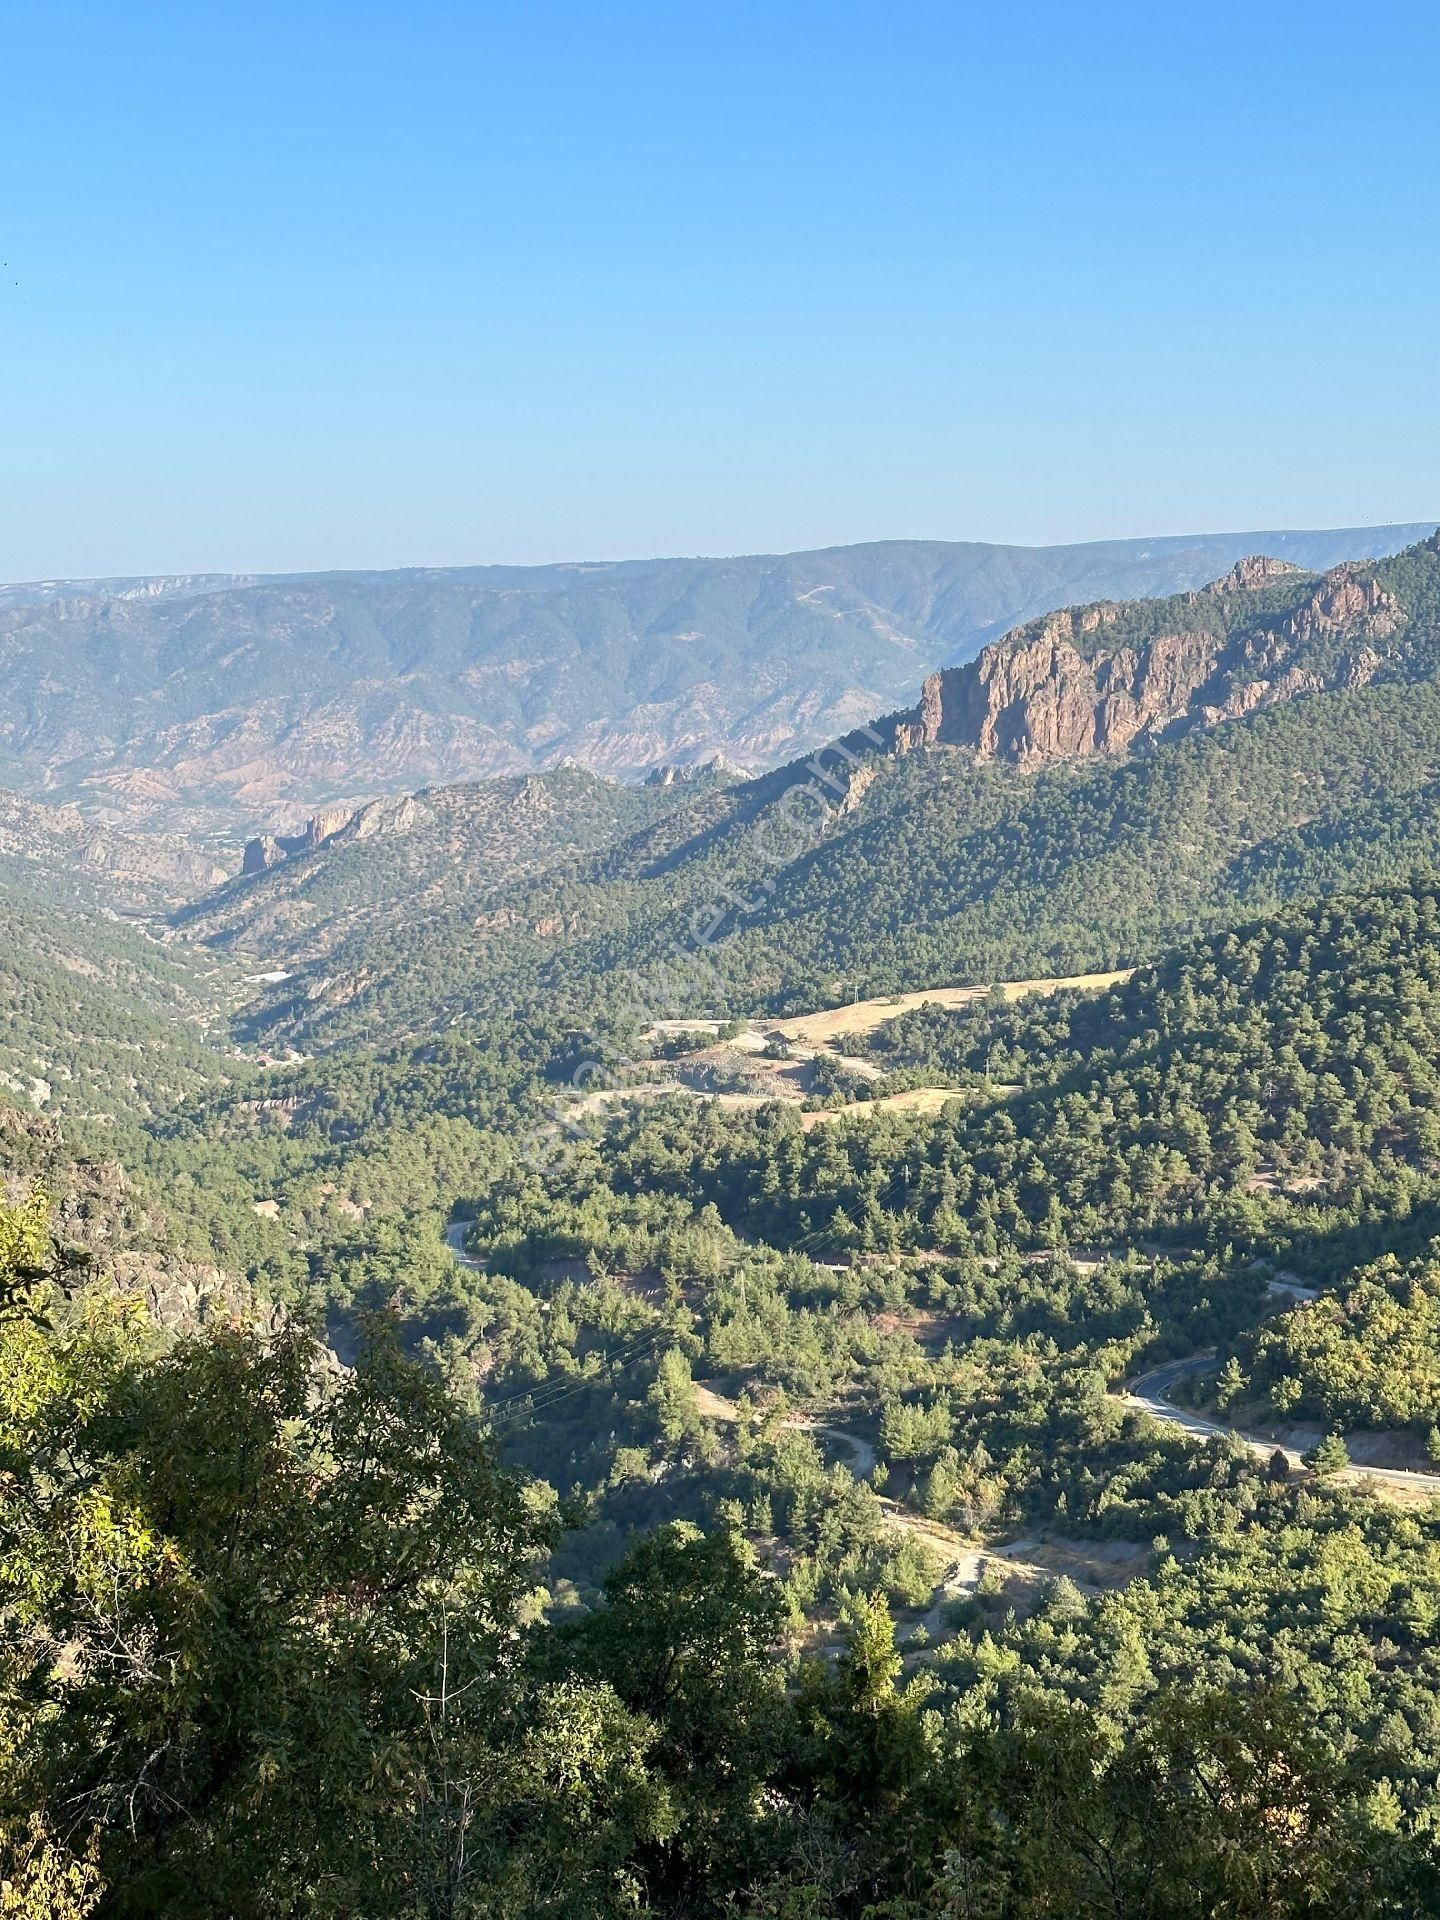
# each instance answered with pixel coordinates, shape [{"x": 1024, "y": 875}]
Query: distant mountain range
[
  {"x": 1093, "y": 785},
  {"x": 223, "y": 705}
]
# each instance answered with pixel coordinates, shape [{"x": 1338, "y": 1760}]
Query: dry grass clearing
[
  {"x": 864, "y": 1016},
  {"x": 927, "y": 1100},
  {"x": 714, "y": 1406},
  {"x": 1394, "y": 1493}
]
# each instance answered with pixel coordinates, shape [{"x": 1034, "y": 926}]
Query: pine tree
[
  {"x": 1230, "y": 1384},
  {"x": 1330, "y": 1457}
]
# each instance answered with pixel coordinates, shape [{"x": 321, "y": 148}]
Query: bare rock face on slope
[
  {"x": 121, "y": 1236},
  {"x": 1061, "y": 688},
  {"x": 369, "y": 822},
  {"x": 59, "y": 847}
]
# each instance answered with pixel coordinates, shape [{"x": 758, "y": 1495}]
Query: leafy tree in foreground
[
  {"x": 228, "y": 1585},
  {"x": 684, "y": 1636},
  {"x": 270, "y": 1647}
]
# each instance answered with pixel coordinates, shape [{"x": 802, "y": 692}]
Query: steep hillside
[
  {"x": 99, "y": 1020},
  {"x": 1271, "y": 1085},
  {"x": 402, "y": 861},
  {"x": 939, "y": 862},
  {"x": 110, "y": 1231},
  {"x": 58, "y": 854},
  {"x": 232, "y": 705}
]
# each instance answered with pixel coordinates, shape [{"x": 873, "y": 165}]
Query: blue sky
[{"x": 313, "y": 285}]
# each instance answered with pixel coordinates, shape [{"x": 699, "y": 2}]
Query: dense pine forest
[{"x": 495, "y": 1420}]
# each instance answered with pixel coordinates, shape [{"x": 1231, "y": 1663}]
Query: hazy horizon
[{"x": 1419, "y": 523}]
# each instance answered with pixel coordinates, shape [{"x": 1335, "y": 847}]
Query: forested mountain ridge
[
  {"x": 238, "y": 704},
  {"x": 399, "y": 862},
  {"x": 937, "y": 863},
  {"x": 100, "y": 1019}
]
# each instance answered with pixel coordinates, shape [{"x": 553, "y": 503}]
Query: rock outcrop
[
  {"x": 382, "y": 817},
  {"x": 268, "y": 850},
  {"x": 1256, "y": 570},
  {"x": 114, "y": 1236},
  {"x": 1057, "y": 689},
  {"x": 261, "y": 853},
  {"x": 717, "y": 766}
]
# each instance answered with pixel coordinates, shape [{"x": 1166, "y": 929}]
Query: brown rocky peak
[
  {"x": 267, "y": 850},
  {"x": 328, "y": 821},
  {"x": 671, "y": 773},
  {"x": 378, "y": 817},
  {"x": 1049, "y": 691},
  {"x": 387, "y": 817},
  {"x": 1256, "y": 570},
  {"x": 261, "y": 853},
  {"x": 1349, "y": 596}
]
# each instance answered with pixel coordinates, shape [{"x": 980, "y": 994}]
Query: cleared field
[
  {"x": 913, "y": 1100},
  {"x": 864, "y": 1016}
]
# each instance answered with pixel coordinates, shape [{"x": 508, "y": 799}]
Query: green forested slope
[
  {"x": 946, "y": 872},
  {"x": 1274, "y": 1085},
  {"x": 1262, "y": 1098},
  {"x": 752, "y": 1527},
  {"x": 399, "y": 865},
  {"x": 304, "y": 1668},
  {"x": 99, "y": 1019}
]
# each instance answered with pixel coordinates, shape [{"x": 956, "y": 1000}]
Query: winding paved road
[{"x": 1151, "y": 1394}]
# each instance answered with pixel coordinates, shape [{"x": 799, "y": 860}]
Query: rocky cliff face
[
  {"x": 120, "y": 1236},
  {"x": 262, "y": 853},
  {"x": 268, "y": 850},
  {"x": 716, "y": 766},
  {"x": 1098, "y": 679}
]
